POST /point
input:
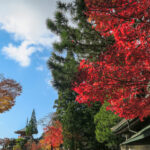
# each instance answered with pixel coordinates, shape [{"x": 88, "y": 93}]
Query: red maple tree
[
  {"x": 122, "y": 74},
  {"x": 53, "y": 135}
]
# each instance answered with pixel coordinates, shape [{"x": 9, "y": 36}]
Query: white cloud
[
  {"x": 44, "y": 58},
  {"x": 49, "y": 82},
  {"x": 49, "y": 79},
  {"x": 20, "y": 54},
  {"x": 40, "y": 68},
  {"x": 26, "y": 19}
]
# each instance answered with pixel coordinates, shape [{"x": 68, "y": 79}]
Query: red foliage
[
  {"x": 53, "y": 135},
  {"x": 122, "y": 74}
]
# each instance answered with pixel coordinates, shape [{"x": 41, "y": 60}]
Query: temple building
[
  {"x": 22, "y": 132},
  {"x": 136, "y": 133}
]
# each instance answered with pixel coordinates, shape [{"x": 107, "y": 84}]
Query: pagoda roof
[{"x": 21, "y": 131}]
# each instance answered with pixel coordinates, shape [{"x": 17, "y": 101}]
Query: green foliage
[
  {"x": 78, "y": 127},
  {"x": 104, "y": 121},
  {"x": 31, "y": 127},
  {"x": 77, "y": 42},
  {"x": 77, "y": 119},
  {"x": 63, "y": 70},
  {"x": 80, "y": 38},
  {"x": 29, "y": 130},
  {"x": 20, "y": 143}
]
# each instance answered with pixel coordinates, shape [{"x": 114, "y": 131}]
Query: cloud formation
[
  {"x": 26, "y": 20},
  {"x": 21, "y": 53},
  {"x": 40, "y": 68}
]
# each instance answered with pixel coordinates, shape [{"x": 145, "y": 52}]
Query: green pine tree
[
  {"x": 77, "y": 119},
  {"x": 31, "y": 127},
  {"x": 84, "y": 41},
  {"x": 76, "y": 43}
]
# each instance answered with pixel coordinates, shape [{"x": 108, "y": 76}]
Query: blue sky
[{"x": 25, "y": 46}]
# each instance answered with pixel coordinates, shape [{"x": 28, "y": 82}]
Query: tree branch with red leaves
[{"x": 122, "y": 74}]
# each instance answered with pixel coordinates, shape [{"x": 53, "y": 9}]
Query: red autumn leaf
[{"x": 122, "y": 74}]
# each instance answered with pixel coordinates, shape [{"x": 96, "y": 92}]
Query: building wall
[{"x": 135, "y": 147}]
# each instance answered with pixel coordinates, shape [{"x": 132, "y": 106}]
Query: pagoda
[{"x": 22, "y": 132}]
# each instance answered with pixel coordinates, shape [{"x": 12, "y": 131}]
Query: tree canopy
[
  {"x": 76, "y": 42},
  {"x": 9, "y": 90},
  {"x": 104, "y": 121},
  {"x": 31, "y": 127},
  {"x": 122, "y": 73}
]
